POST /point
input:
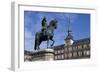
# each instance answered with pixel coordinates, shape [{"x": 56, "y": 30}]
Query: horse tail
[{"x": 35, "y": 46}]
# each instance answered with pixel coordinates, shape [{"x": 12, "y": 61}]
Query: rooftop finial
[{"x": 69, "y": 23}]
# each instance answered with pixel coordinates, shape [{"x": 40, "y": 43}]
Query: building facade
[{"x": 79, "y": 49}]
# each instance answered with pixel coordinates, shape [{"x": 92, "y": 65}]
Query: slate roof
[
  {"x": 76, "y": 42},
  {"x": 69, "y": 36},
  {"x": 81, "y": 41},
  {"x": 58, "y": 47}
]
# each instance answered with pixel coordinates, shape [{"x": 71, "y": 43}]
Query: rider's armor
[{"x": 44, "y": 26}]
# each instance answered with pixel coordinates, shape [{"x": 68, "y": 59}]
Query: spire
[
  {"x": 69, "y": 36},
  {"x": 68, "y": 23}
]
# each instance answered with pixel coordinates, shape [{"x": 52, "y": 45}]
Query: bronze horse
[{"x": 40, "y": 37}]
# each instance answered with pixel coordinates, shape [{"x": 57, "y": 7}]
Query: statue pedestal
[{"x": 43, "y": 55}]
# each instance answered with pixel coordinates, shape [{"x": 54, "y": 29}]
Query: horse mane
[{"x": 52, "y": 22}]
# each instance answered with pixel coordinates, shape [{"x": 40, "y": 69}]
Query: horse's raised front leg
[{"x": 52, "y": 42}]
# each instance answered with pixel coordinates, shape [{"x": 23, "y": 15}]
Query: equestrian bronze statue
[{"x": 46, "y": 33}]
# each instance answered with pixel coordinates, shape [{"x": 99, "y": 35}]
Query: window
[
  {"x": 55, "y": 57},
  {"x": 76, "y": 48},
  {"x": 86, "y": 52},
  {"x": 75, "y": 54},
  {"x": 73, "y": 48},
  {"x": 66, "y": 56},
  {"x": 59, "y": 56},
  {"x": 79, "y": 53},
  {"x": 70, "y": 55},
  {"x": 55, "y": 52},
  {"x": 62, "y": 56},
  {"x": 62, "y": 51},
  {"x": 79, "y": 46},
  {"x": 70, "y": 48},
  {"x": 66, "y": 49},
  {"x": 58, "y": 51},
  {"x": 88, "y": 45},
  {"x": 84, "y": 46}
]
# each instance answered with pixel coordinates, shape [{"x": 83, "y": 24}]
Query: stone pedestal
[{"x": 43, "y": 55}]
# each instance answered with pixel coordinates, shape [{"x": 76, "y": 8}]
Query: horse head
[{"x": 53, "y": 23}]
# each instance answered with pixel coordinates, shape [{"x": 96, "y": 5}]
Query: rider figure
[{"x": 44, "y": 26}]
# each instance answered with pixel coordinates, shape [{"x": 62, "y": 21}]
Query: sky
[{"x": 79, "y": 25}]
